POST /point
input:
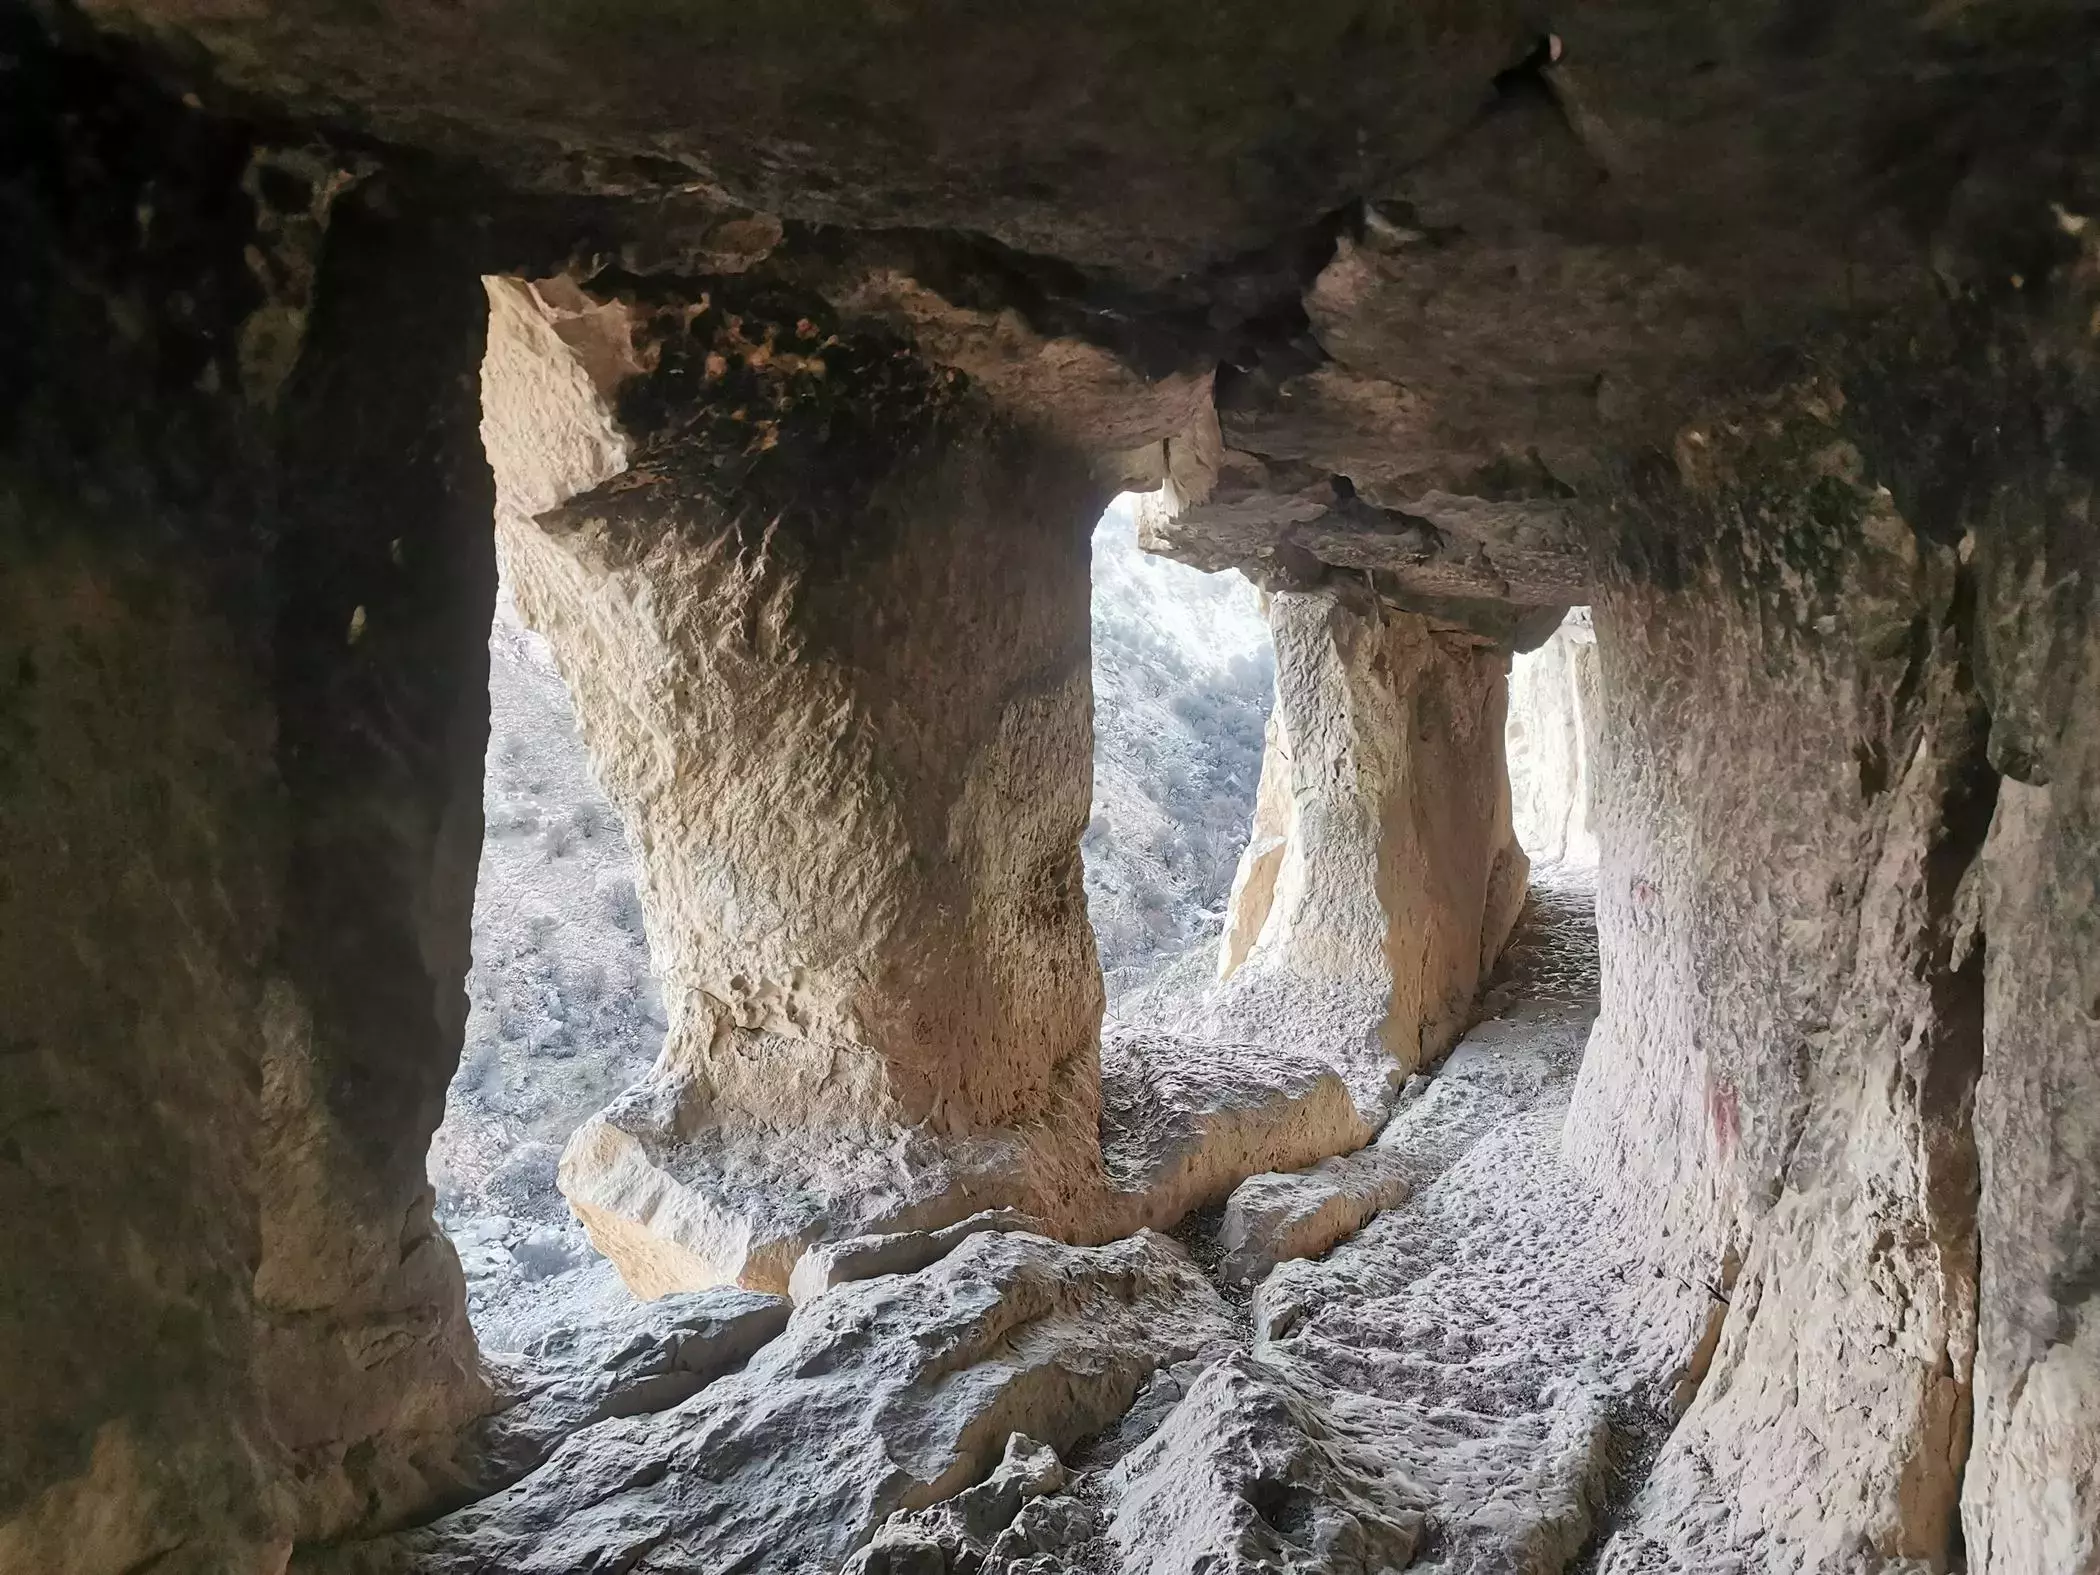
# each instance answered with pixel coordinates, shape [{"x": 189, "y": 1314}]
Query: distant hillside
[{"x": 1183, "y": 678}]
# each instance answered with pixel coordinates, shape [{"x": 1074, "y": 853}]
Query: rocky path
[
  {"x": 1460, "y": 1386},
  {"x": 1479, "y": 1340}
]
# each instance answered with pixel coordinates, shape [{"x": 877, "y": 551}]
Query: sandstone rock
[
  {"x": 1794, "y": 1025},
  {"x": 2031, "y": 1490},
  {"x": 243, "y": 548},
  {"x": 1182, "y": 1121},
  {"x": 649, "y": 1358},
  {"x": 958, "y": 1532},
  {"x": 1493, "y": 1076},
  {"x": 1272, "y": 1217},
  {"x": 886, "y": 1394},
  {"x": 1465, "y": 288},
  {"x": 1400, "y": 877},
  {"x": 1261, "y": 862},
  {"x": 1249, "y": 1475},
  {"x": 863, "y": 1257},
  {"x": 854, "y": 762}
]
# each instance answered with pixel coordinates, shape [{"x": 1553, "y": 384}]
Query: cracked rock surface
[{"x": 885, "y": 1394}]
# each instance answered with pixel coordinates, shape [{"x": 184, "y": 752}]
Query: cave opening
[
  {"x": 564, "y": 1009},
  {"x": 1184, "y": 674},
  {"x": 1774, "y": 1253}
]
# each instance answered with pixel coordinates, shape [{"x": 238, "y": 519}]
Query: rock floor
[{"x": 1464, "y": 1385}]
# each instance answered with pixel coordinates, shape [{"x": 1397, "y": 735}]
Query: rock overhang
[{"x": 1367, "y": 292}]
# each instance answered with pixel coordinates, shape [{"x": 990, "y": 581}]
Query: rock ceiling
[{"x": 1398, "y": 316}]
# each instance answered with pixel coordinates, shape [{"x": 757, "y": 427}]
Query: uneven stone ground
[
  {"x": 1481, "y": 1341},
  {"x": 1462, "y": 1386},
  {"x": 1465, "y": 1385}
]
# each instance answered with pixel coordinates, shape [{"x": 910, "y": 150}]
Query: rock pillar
[
  {"x": 826, "y": 622},
  {"x": 245, "y": 570},
  {"x": 1383, "y": 877}
]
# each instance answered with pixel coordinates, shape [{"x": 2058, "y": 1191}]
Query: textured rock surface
[
  {"x": 827, "y": 634},
  {"x": 1300, "y": 1214},
  {"x": 1553, "y": 704},
  {"x": 1771, "y": 323},
  {"x": 639, "y": 1359},
  {"x": 884, "y": 1395},
  {"x": 1399, "y": 876},
  {"x": 1183, "y": 1120},
  {"x": 958, "y": 1533},
  {"x": 1783, "y": 1095},
  {"x": 1477, "y": 1344},
  {"x": 834, "y": 1263},
  {"x": 243, "y": 546},
  {"x": 1463, "y": 1386},
  {"x": 2031, "y": 1491}
]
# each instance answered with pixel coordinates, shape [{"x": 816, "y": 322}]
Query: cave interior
[{"x": 787, "y": 355}]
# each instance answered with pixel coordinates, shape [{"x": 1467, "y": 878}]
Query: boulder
[
  {"x": 835, "y": 1263},
  {"x": 645, "y": 1358},
  {"x": 1249, "y": 1476},
  {"x": 1300, "y": 1214}
]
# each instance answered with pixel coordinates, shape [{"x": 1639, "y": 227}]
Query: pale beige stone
[
  {"x": 1254, "y": 882},
  {"x": 1398, "y": 877}
]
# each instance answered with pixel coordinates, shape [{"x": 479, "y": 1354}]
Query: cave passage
[{"x": 1630, "y": 1103}]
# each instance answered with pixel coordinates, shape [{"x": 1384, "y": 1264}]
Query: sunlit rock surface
[
  {"x": 850, "y": 732},
  {"x": 1553, "y": 703}
]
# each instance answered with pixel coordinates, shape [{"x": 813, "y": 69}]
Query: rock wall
[
  {"x": 1382, "y": 867},
  {"x": 244, "y": 572},
  {"x": 1830, "y": 933},
  {"x": 1552, "y": 717},
  {"x": 828, "y": 635}
]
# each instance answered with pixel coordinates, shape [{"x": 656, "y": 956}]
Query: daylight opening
[
  {"x": 563, "y": 1013},
  {"x": 1552, "y": 720},
  {"x": 1184, "y": 676}
]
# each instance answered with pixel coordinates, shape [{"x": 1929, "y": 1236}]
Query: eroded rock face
[
  {"x": 1250, "y": 1475},
  {"x": 890, "y": 1394},
  {"x": 1814, "y": 1031},
  {"x": 1398, "y": 877},
  {"x": 642, "y": 1359},
  {"x": 243, "y": 551},
  {"x": 828, "y": 638}
]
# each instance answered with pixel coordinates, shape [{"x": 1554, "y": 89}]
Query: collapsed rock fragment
[
  {"x": 863, "y": 1257},
  {"x": 1249, "y": 1476},
  {"x": 970, "y": 1532},
  {"x": 884, "y": 1394}
]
